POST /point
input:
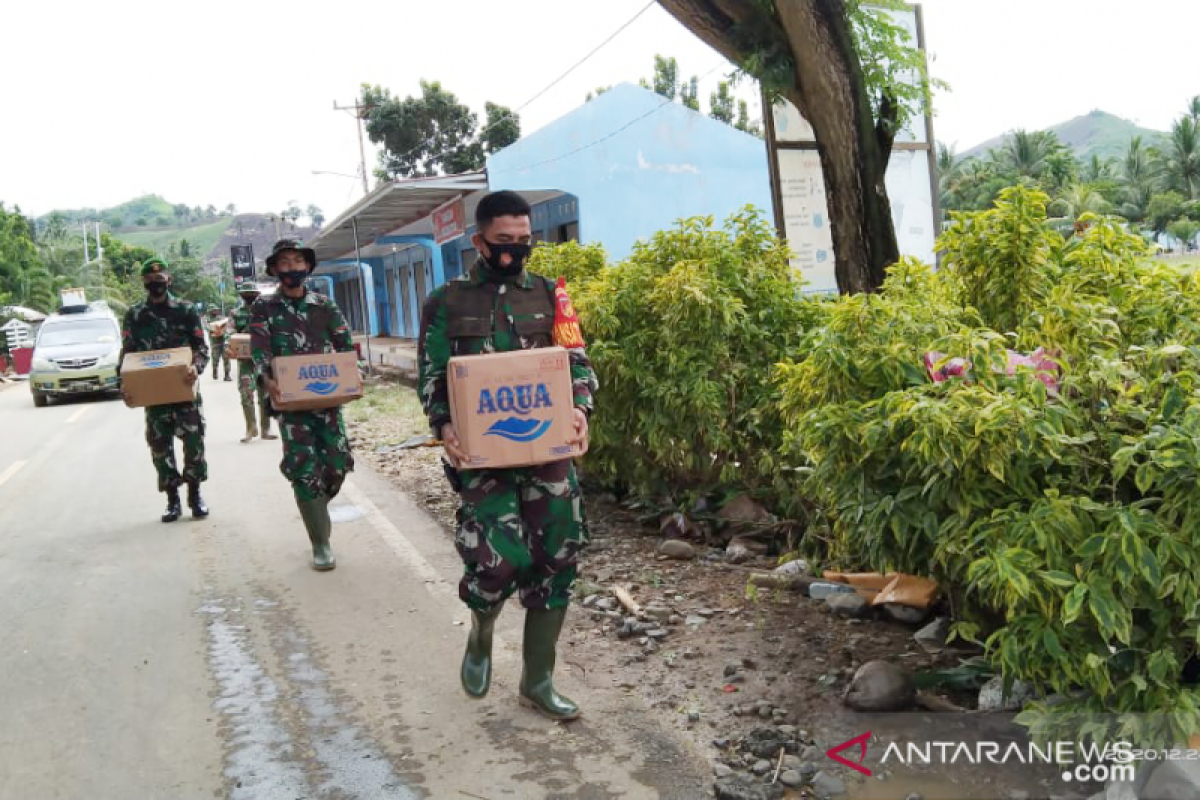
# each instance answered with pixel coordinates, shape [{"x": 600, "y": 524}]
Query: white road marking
[
  {"x": 407, "y": 551},
  {"x": 13, "y": 470},
  {"x": 411, "y": 556},
  {"x": 78, "y": 414}
]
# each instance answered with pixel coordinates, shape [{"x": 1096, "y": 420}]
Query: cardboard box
[
  {"x": 239, "y": 347},
  {"x": 158, "y": 377},
  {"x": 324, "y": 380},
  {"x": 218, "y": 329},
  {"x": 513, "y": 409}
]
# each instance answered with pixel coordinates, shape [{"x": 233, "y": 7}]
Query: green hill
[
  {"x": 1098, "y": 133},
  {"x": 202, "y": 237}
]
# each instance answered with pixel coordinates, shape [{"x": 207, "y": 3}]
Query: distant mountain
[
  {"x": 207, "y": 231},
  {"x": 1099, "y": 133}
]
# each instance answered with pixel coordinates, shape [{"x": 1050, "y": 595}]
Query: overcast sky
[{"x": 231, "y": 100}]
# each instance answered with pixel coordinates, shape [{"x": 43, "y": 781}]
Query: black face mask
[
  {"x": 293, "y": 279},
  {"x": 249, "y": 299},
  {"x": 156, "y": 289},
  {"x": 518, "y": 251}
]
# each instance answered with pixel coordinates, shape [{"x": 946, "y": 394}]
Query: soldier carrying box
[
  {"x": 520, "y": 528},
  {"x": 316, "y": 450},
  {"x": 163, "y": 322}
]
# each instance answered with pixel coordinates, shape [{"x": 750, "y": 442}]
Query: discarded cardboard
[
  {"x": 239, "y": 347},
  {"x": 513, "y": 409},
  {"x": 157, "y": 377},
  {"x": 895, "y": 587},
  {"x": 323, "y": 380}
]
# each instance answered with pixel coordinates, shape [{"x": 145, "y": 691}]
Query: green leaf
[{"x": 1073, "y": 605}]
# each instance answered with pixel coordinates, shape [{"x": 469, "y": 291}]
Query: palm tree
[
  {"x": 1077, "y": 200},
  {"x": 950, "y": 167},
  {"x": 1028, "y": 153},
  {"x": 1193, "y": 110},
  {"x": 1141, "y": 172},
  {"x": 1097, "y": 169},
  {"x": 1183, "y": 158}
]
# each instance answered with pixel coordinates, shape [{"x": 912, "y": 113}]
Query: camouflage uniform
[
  {"x": 217, "y": 345},
  {"x": 246, "y": 376},
  {"x": 519, "y": 528},
  {"x": 161, "y": 326},
  {"x": 316, "y": 450}
]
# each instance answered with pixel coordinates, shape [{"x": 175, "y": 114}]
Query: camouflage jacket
[
  {"x": 240, "y": 317},
  {"x": 475, "y": 314},
  {"x": 282, "y": 326},
  {"x": 175, "y": 323}
]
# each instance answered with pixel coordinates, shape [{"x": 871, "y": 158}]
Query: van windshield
[{"x": 92, "y": 331}]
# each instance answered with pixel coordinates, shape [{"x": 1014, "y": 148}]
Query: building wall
[{"x": 638, "y": 164}]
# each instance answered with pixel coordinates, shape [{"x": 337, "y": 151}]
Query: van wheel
[{"x": 40, "y": 400}]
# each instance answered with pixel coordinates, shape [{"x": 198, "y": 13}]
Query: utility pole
[{"x": 358, "y": 110}]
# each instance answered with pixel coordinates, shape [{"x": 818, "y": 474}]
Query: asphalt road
[{"x": 206, "y": 659}]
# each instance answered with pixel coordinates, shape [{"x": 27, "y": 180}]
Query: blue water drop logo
[
  {"x": 519, "y": 430},
  {"x": 322, "y": 388}
]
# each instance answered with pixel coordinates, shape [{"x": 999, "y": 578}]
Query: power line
[{"x": 551, "y": 85}]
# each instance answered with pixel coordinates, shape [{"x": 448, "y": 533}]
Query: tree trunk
[{"x": 829, "y": 90}]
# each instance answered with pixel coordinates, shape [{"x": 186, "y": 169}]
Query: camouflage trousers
[
  {"x": 316, "y": 452},
  {"x": 163, "y": 425},
  {"x": 520, "y": 529},
  {"x": 219, "y": 355},
  {"x": 246, "y": 389}
]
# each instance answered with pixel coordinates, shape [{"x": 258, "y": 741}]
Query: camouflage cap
[
  {"x": 291, "y": 244},
  {"x": 153, "y": 266},
  {"x": 247, "y": 287}
]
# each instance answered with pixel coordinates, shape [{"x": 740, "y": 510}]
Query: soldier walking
[
  {"x": 316, "y": 450},
  {"x": 218, "y": 333},
  {"x": 519, "y": 529},
  {"x": 163, "y": 322},
  {"x": 247, "y": 388}
]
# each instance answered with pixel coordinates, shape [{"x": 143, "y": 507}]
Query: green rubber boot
[
  {"x": 315, "y": 514},
  {"x": 537, "y": 685},
  {"x": 265, "y": 415},
  {"x": 477, "y": 660},
  {"x": 251, "y": 428}
]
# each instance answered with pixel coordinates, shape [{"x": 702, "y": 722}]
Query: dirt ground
[{"x": 721, "y": 663}]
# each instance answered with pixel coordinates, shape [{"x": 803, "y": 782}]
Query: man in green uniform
[
  {"x": 518, "y": 529},
  {"x": 218, "y": 335},
  {"x": 316, "y": 450},
  {"x": 163, "y": 322},
  {"x": 245, "y": 369}
]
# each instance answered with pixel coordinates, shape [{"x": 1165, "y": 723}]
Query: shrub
[
  {"x": 1065, "y": 524},
  {"x": 685, "y": 334}
]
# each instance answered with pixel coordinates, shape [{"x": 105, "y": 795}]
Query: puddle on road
[{"x": 263, "y": 759}]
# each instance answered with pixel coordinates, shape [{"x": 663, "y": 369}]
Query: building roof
[{"x": 393, "y": 205}]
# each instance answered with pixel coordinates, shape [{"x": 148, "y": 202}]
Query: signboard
[
  {"x": 449, "y": 221},
  {"x": 798, "y": 183},
  {"x": 242, "y": 258}
]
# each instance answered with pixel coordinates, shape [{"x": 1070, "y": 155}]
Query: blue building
[{"x": 615, "y": 171}]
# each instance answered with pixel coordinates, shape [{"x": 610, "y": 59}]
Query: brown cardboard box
[
  {"x": 513, "y": 409},
  {"x": 239, "y": 347},
  {"x": 157, "y": 377},
  {"x": 218, "y": 329},
  {"x": 324, "y": 380}
]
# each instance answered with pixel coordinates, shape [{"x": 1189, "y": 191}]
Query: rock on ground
[
  {"x": 991, "y": 696},
  {"x": 848, "y": 605},
  {"x": 677, "y": 549},
  {"x": 828, "y": 786},
  {"x": 736, "y": 787},
  {"x": 880, "y": 686}
]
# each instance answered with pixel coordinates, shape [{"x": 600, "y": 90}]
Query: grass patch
[
  {"x": 202, "y": 238},
  {"x": 392, "y": 402}
]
